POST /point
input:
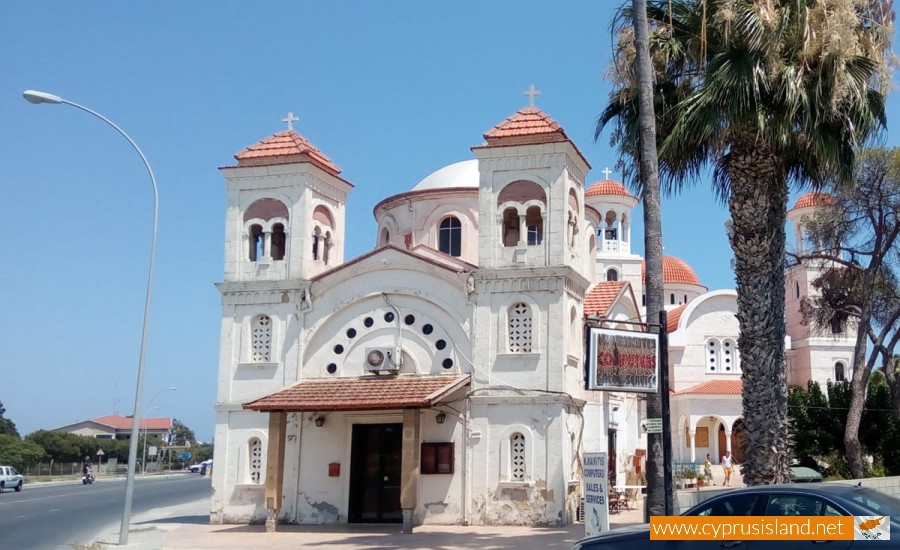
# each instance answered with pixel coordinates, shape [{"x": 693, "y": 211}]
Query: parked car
[
  {"x": 9, "y": 477},
  {"x": 768, "y": 500}
]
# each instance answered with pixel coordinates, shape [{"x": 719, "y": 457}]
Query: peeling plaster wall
[
  {"x": 440, "y": 495},
  {"x": 236, "y": 499}
]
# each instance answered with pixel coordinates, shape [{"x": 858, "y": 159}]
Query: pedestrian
[
  {"x": 707, "y": 469},
  {"x": 727, "y": 466}
]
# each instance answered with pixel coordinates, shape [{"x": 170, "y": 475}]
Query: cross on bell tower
[
  {"x": 607, "y": 172},
  {"x": 531, "y": 92},
  {"x": 290, "y": 120}
]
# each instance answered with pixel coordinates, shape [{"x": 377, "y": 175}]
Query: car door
[
  {"x": 788, "y": 504},
  {"x": 727, "y": 505}
]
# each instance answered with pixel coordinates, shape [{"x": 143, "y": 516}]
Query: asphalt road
[{"x": 61, "y": 516}]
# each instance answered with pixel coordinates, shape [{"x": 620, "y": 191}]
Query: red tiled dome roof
[
  {"x": 675, "y": 271},
  {"x": 606, "y": 188},
  {"x": 815, "y": 198}
]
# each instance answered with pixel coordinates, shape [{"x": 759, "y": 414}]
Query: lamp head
[
  {"x": 33, "y": 96},
  {"x": 320, "y": 421}
]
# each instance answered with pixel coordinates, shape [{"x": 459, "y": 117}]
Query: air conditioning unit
[{"x": 384, "y": 358}]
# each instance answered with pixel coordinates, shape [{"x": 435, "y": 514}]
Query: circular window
[
  {"x": 339, "y": 349},
  {"x": 375, "y": 358},
  {"x": 440, "y": 344},
  {"x": 331, "y": 368},
  {"x": 389, "y": 317},
  {"x": 351, "y": 332},
  {"x": 409, "y": 319},
  {"x": 427, "y": 329},
  {"x": 448, "y": 363},
  {"x": 368, "y": 322}
]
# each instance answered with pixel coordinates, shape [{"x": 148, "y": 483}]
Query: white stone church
[{"x": 440, "y": 377}]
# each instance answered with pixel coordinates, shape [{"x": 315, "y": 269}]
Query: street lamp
[
  {"x": 42, "y": 97},
  {"x": 149, "y": 409}
]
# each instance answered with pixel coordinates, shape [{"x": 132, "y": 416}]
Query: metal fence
[{"x": 685, "y": 470}]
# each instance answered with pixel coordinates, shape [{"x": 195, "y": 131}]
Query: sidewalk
[{"x": 186, "y": 527}]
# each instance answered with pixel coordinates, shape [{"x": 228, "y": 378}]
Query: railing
[{"x": 685, "y": 470}]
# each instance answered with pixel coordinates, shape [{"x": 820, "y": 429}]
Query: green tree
[
  {"x": 19, "y": 453},
  {"x": 769, "y": 94},
  {"x": 7, "y": 426},
  {"x": 181, "y": 434}
]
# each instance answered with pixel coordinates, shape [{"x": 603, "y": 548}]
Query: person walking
[
  {"x": 728, "y": 466},
  {"x": 707, "y": 469}
]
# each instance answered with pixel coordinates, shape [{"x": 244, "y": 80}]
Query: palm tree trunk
[
  {"x": 656, "y": 504},
  {"x": 758, "y": 206}
]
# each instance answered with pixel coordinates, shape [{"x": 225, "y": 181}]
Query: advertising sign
[
  {"x": 623, "y": 360},
  {"x": 596, "y": 494}
]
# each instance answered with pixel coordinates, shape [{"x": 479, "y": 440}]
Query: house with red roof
[
  {"x": 440, "y": 377},
  {"x": 114, "y": 426}
]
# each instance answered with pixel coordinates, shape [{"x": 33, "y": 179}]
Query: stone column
[
  {"x": 275, "y": 468},
  {"x": 694, "y": 445},
  {"x": 267, "y": 246},
  {"x": 728, "y": 440},
  {"x": 409, "y": 469},
  {"x": 523, "y": 231}
]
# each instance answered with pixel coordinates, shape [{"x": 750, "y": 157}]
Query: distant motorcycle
[{"x": 87, "y": 479}]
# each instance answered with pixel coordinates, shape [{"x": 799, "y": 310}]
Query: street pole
[
  {"x": 668, "y": 489},
  {"x": 33, "y": 96}
]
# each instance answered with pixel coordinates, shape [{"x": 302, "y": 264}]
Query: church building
[{"x": 440, "y": 377}]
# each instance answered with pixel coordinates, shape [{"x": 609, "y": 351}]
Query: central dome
[
  {"x": 675, "y": 271},
  {"x": 458, "y": 174}
]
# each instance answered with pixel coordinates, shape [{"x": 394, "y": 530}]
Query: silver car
[{"x": 9, "y": 477}]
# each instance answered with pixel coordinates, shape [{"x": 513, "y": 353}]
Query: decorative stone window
[
  {"x": 839, "y": 372},
  {"x": 261, "y": 339},
  {"x": 265, "y": 235},
  {"x": 256, "y": 460},
  {"x": 323, "y": 225},
  {"x": 517, "y": 463},
  {"x": 520, "y": 328},
  {"x": 713, "y": 347},
  {"x": 612, "y": 275},
  {"x": 730, "y": 359},
  {"x": 522, "y": 204},
  {"x": 450, "y": 236}
]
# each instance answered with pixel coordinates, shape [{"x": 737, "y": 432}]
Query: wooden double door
[{"x": 375, "y": 466}]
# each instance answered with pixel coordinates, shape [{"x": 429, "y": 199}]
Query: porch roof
[
  {"x": 720, "y": 387},
  {"x": 375, "y": 392}
]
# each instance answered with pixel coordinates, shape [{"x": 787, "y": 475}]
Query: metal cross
[
  {"x": 290, "y": 120},
  {"x": 607, "y": 172},
  {"x": 531, "y": 93}
]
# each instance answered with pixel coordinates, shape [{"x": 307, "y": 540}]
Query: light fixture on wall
[
  {"x": 441, "y": 416},
  {"x": 320, "y": 421}
]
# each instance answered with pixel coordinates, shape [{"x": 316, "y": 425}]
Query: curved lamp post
[
  {"x": 150, "y": 408},
  {"x": 42, "y": 97}
]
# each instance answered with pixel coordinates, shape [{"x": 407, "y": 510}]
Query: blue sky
[{"x": 391, "y": 91}]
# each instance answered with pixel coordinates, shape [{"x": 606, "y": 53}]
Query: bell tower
[{"x": 285, "y": 212}]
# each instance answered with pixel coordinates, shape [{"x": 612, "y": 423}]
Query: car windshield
[{"x": 878, "y": 502}]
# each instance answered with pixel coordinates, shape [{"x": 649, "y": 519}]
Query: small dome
[
  {"x": 458, "y": 174},
  {"x": 605, "y": 188},
  {"x": 813, "y": 199},
  {"x": 675, "y": 271}
]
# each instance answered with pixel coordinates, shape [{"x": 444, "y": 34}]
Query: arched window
[
  {"x": 450, "y": 237},
  {"x": 796, "y": 289},
  {"x": 672, "y": 298},
  {"x": 535, "y": 223},
  {"x": 316, "y": 242},
  {"x": 517, "y": 466},
  {"x": 279, "y": 241},
  {"x": 644, "y": 300},
  {"x": 685, "y": 299},
  {"x": 575, "y": 332},
  {"x": 385, "y": 236},
  {"x": 612, "y": 275},
  {"x": 712, "y": 355},
  {"x": 520, "y": 328},
  {"x": 837, "y": 324},
  {"x": 839, "y": 374},
  {"x": 261, "y": 339},
  {"x": 256, "y": 243},
  {"x": 256, "y": 458},
  {"x": 510, "y": 227}
]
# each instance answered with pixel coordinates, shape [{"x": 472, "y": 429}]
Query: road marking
[{"x": 19, "y": 517}]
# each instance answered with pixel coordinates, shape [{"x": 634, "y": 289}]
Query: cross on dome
[
  {"x": 607, "y": 172},
  {"x": 531, "y": 92},
  {"x": 290, "y": 120}
]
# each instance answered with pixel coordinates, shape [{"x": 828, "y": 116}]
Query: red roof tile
[
  {"x": 285, "y": 147},
  {"x": 126, "y": 422},
  {"x": 601, "y": 296},
  {"x": 673, "y": 316},
  {"x": 365, "y": 393},
  {"x": 675, "y": 271},
  {"x": 607, "y": 188},
  {"x": 716, "y": 387},
  {"x": 528, "y": 126},
  {"x": 813, "y": 199}
]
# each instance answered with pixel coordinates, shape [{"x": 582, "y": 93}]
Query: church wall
[
  {"x": 236, "y": 499},
  {"x": 540, "y": 497},
  {"x": 421, "y": 217},
  {"x": 714, "y": 316}
]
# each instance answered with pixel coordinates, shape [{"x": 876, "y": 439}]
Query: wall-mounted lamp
[
  {"x": 441, "y": 416},
  {"x": 320, "y": 421},
  {"x": 712, "y": 419}
]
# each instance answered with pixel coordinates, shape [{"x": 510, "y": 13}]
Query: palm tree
[{"x": 770, "y": 94}]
